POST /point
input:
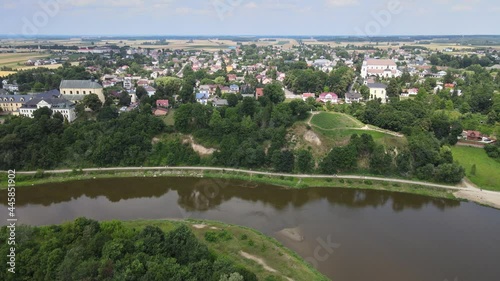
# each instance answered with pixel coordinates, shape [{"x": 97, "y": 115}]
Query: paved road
[{"x": 135, "y": 169}]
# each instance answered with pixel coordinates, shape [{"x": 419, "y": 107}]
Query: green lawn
[
  {"x": 330, "y": 121},
  {"x": 343, "y": 136},
  {"x": 169, "y": 118},
  {"x": 487, "y": 169}
]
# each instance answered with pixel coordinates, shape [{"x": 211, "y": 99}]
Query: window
[
  {"x": 84, "y": 92},
  {"x": 70, "y": 92},
  {"x": 77, "y": 92}
]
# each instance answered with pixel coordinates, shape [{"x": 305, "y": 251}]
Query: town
[{"x": 273, "y": 133}]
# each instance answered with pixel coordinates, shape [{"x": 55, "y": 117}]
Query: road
[
  {"x": 135, "y": 169},
  {"x": 180, "y": 73}
]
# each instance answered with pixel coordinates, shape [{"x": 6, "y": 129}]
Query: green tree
[
  {"x": 305, "y": 161},
  {"x": 274, "y": 92},
  {"x": 141, "y": 92},
  {"x": 93, "y": 102},
  {"x": 232, "y": 100},
  {"x": 283, "y": 161},
  {"x": 125, "y": 99}
]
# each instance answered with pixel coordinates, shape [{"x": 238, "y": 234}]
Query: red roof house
[
  {"x": 259, "y": 92},
  {"x": 162, "y": 103}
]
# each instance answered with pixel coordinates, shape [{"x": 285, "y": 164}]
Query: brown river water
[{"x": 348, "y": 234}]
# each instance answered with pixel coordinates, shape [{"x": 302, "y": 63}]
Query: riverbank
[
  {"x": 261, "y": 254},
  {"x": 461, "y": 192}
]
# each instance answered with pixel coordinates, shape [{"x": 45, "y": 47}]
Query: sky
[{"x": 249, "y": 17}]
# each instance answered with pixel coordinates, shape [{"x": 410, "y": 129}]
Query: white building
[
  {"x": 127, "y": 83},
  {"x": 49, "y": 100},
  {"x": 380, "y": 67},
  {"x": 378, "y": 91}
]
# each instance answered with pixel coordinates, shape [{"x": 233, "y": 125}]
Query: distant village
[{"x": 235, "y": 65}]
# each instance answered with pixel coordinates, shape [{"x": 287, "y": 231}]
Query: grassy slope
[
  {"x": 286, "y": 262},
  {"x": 487, "y": 169},
  {"x": 329, "y": 121},
  {"x": 336, "y": 129}
]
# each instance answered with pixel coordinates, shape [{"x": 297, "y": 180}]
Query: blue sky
[{"x": 249, "y": 17}]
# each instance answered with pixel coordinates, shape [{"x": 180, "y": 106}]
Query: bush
[
  {"x": 473, "y": 170},
  {"x": 342, "y": 181},
  {"x": 368, "y": 182},
  {"x": 244, "y": 237},
  {"x": 40, "y": 174},
  {"x": 216, "y": 236}
]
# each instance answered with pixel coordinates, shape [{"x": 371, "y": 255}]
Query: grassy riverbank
[
  {"x": 230, "y": 240},
  {"x": 487, "y": 174},
  {"x": 288, "y": 181}
]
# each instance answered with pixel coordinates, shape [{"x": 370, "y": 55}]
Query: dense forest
[{"x": 89, "y": 250}]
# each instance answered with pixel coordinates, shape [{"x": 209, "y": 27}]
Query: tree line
[{"x": 88, "y": 250}]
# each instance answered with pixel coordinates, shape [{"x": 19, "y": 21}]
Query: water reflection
[{"x": 197, "y": 194}]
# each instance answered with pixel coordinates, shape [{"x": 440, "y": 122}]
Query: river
[{"x": 356, "y": 234}]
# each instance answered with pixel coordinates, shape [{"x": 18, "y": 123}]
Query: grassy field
[
  {"x": 343, "y": 136},
  {"x": 270, "y": 251},
  {"x": 328, "y": 121},
  {"x": 487, "y": 169},
  {"x": 337, "y": 129},
  {"x": 169, "y": 118}
]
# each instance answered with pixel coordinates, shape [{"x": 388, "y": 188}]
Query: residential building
[
  {"x": 379, "y": 67},
  {"x": 234, "y": 88},
  {"x": 305, "y": 96},
  {"x": 472, "y": 136},
  {"x": 11, "y": 87},
  {"x": 127, "y": 83},
  {"x": 162, "y": 103},
  {"x": 51, "y": 100},
  {"x": 328, "y": 97},
  {"x": 151, "y": 91},
  {"x": 259, "y": 92},
  {"x": 219, "y": 102},
  {"x": 76, "y": 90},
  {"x": 378, "y": 91},
  {"x": 202, "y": 98},
  {"x": 11, "y": 103},
  {"x": 351, "y": 97}
]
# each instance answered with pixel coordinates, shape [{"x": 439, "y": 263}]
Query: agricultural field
[
  {"x": 487, "y": 174},
  {"x": 17, "y": 60}
]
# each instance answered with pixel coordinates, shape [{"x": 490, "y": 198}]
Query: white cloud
[
  {"x": 9, "y": 4},
  {"x": 342, "y": 3},
  {"x": 251, "y": 5},
  {"x": 190, "y": 11}
]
